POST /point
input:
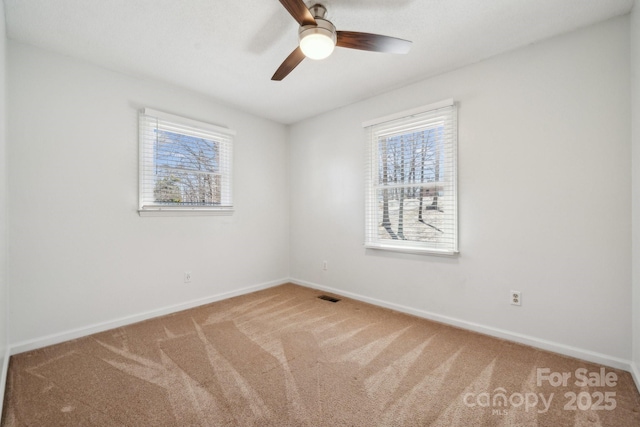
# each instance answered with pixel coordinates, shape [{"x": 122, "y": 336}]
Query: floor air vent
[{"x": 328, "y": 298}]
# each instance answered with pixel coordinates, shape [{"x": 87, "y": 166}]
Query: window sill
[
  {"x": 411, "y": 249},
  {"x": 194, "y": 211}
]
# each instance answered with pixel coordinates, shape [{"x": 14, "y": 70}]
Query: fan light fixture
[
  {"x": 317, "y": 38},
  {"x": 317, "y": 42}
]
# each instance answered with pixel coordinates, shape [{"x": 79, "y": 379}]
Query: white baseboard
[
  {"x": 579, "y": 353},
  {"x": 3, "y": 378},
  {"x": 635, "y": 373},
  {"x": 57, "y": 338},
  {"x": 590, "y": 356}
]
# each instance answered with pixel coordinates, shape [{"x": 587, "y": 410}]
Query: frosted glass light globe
[
  {"x": 317, "y": 41},
  {"x": 317, "y": 46}
]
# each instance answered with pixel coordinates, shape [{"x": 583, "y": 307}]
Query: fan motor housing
[{"x": 324, "y": 27}]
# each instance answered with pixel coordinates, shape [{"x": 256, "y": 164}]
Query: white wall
[
  {"x": 544, "y": 177},
  {"x": 635, "y": 81},
  {"x": 3, "y": 196},
  {"x": 79, "y": 253}
]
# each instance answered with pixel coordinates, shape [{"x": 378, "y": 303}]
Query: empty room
[{"x": 333, "y": 213}]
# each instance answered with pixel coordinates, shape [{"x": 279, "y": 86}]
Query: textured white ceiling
[{"x": 229, "y": 49}]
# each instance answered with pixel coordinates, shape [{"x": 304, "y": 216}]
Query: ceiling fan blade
[
  {"x": 372, "y": 42},
  {"x": 299, "y": 11},
  {"x": 289, "y": 64}
]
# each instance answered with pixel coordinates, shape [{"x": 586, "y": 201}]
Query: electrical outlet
[
  {"x": 516, "y": 298},
  {"x": 187, "y": 277},
  {"x": 325, "y": 265}
]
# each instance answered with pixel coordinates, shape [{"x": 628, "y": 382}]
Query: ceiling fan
[{"x": 318, "y": 37}]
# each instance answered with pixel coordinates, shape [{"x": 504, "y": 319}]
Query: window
[
  {"x": 410, "y": 182},
  {"x": 185, "y": 166}
]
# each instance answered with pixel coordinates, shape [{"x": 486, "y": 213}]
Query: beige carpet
[{"x": 283, "y": 357}]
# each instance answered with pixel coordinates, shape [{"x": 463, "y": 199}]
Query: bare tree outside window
[
  {"x": 409, "y": 185},
  {"x": 187, "y": 170},
  {"x": 167, "y": 190}
]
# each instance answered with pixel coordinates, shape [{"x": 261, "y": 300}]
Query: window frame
[
  {"x": 221, "y": 135},
  {"x": 402, "y": 119}
]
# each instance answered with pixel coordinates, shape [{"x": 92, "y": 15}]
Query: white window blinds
[
  {"x": 185, "y": 165},
  {"x": 411, "y": 180}
]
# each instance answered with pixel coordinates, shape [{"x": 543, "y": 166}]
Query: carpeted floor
[{"x": 283, "y": 357}]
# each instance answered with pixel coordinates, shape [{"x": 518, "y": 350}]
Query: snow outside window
[
  {"x": 185, "y": 166},
  {"x": 411, "y": 181}
]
